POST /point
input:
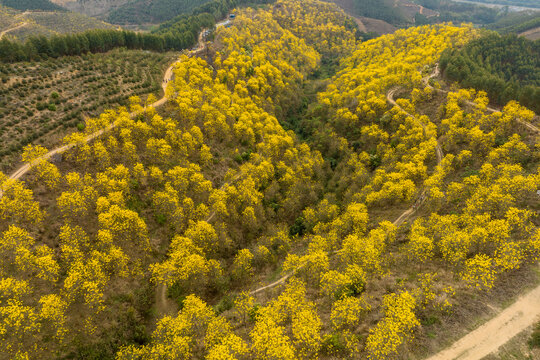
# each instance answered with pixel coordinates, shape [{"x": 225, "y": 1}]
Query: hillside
[
  {"x": 178, "y": 34},
  {"x": 298, "y": 193},
  {"x": 41, "y": 102},
  {"x": 151, "y": 11},
  {"x": 48, "y": 23},
  {"x": 461, "y": 12},
  {"x": 523, "y": 3},
  {"x": 403, "y": 13},
  {"x": 132, "y": 11},
  {"x": 516, "y": 22},
  {"x": 45, "y": 5},
  {"x": 381, "y": 10},
  {"x": 506, "y": 67},
  {"x": 8, "y": 18},
  {"x": 94, "y": 8},
  {"x": 532, "y": 34}
]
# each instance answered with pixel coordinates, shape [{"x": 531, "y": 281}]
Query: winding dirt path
[
  {"x": 497, "y": 331},
  {"x": 20, "y": 172},
  {"x": 490, "y": 109},
  {"x": 12, "y": 29},
  {"x": 438, "y": 150},
  {"x": 404, "y": 216}
]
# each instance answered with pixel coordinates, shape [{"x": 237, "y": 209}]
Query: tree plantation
[
  {"x": 41, "y": 101},
  {"x": 506, "y": 67},
  {"x": 302, "y": 194}
]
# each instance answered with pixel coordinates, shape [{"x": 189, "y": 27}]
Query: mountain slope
[
  {"x": 283, "y": 196},
  {"x": 46, "y": 23},
  {"x": 507, "y": 67},
  {"x": 378, "y": 9},
  {"x": 151, "y": 11},
  {"x": 132, "y": 11},
  {"x": 31, "y": 5},
  {"x": 96, "y": 8}
]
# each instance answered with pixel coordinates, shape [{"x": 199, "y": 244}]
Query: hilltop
[{"x": 21, "y": 25}]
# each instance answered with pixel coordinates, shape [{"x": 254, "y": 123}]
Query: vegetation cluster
[
  {"x": 177, "y": 34},
  {"x": 211, "y": 200},
  {"x": 45, "y": 5},
  {"x": 55, "y": 23},
  {"x": 506, "y": 67},
  {"x": 41, "y": 101}
]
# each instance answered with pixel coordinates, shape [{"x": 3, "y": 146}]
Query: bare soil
[{"x": 533, "y": 34}]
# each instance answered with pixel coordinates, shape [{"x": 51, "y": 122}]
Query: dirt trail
[
  {"x": 499, "y": 330},
  {"x": 496, "y": 332},
  {"x": 438, "y": 151},
  {"x": 165, "y": 305},
  {"x": 12, "y": 29},
  {"x": 360, "y": 24},
  {"x": 168, "y": 75},
  {"x": 404, "y": 216},
  {"x": 490, "y": 109},
  {"x": 507, "y": 324}
]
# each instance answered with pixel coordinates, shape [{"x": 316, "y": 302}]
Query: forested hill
[
  {"x": 524, "y": 3},
  {"x": 152, "y": 11},
  {"x": 32, "y": 5},
  {"x": 204, "y": 229},
  {"x": 517, "y": 22},
  {"x": 378, "y": 9},
  {"x": 177, "y": 34},
  {"x": 507, "y": 67}
]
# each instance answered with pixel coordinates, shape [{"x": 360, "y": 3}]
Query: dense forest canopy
[
  {"x": 93, "y": 41},
  {"x": 32, "y": 5},
  {"x": 461, "y": 12},
  {"x": 516, "y": 22},
  {"x": 506, "y": 67},
  {"x": 164, "y": 237},
  {"x": 524, "y": 3},
  {"x": 177, "y": 34},
  {"x": 153, "y": 11}
]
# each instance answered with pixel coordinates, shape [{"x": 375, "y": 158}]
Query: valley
[{"x": 302, "y": 189}]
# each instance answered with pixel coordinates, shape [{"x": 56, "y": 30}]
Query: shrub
[{"x": 534, "y": 341}]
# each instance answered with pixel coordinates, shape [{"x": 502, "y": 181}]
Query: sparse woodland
[{"x": 153, "y": 240}]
